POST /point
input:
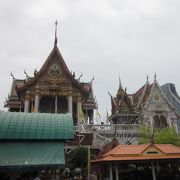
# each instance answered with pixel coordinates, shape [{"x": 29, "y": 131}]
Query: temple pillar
[
  {"x": 26, "y": 103},
  {"x": 56, "y": 104},
  {"x": 169, "y": 121},
  {"x": 78, "y": 110},
  {"x": 36, "y": 103},
  {"x": 110, "y": 172},
  {"x": 176, "y": 127},
  {"x": 70, "y": 104}
]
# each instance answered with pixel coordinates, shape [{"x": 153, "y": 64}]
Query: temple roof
[
  {"x": 140, "y": 99},
  {"x": 122, "y": 101},
  {"x": 55, "y": 54},
  {"x": 54, "y": 75}
]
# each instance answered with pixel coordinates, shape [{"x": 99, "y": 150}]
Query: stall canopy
[{"x": 34, "y": 139}]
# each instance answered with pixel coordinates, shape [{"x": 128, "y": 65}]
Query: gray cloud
[{"x": 103, "y": 38}]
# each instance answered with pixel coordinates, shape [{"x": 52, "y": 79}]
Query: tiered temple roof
[{"x": 132, "y": 104}]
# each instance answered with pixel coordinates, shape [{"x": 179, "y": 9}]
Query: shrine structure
[
  {"x": 53, "y": 89},
  {"x": 122, "y": 109}
]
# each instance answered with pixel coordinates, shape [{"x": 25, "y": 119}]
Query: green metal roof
[
  {"x": 36, "y": 126},
  {"x": 31, "y": 154}
]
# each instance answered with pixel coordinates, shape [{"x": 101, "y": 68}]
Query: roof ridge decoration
[
  {"x": 55, "y": 40},
  {"x": 120, "y": 91}
]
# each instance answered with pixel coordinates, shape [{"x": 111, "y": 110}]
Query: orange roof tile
[
  {"x": 168, "y": 148},
  {"x": 137, "y": 158},
  {"x": 138, "y": 152},
  {"x": 127, "y": 149}
]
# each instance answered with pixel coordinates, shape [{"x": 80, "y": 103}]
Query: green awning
[
  {"x": 36, "y": 126},
  {"x": 32, "y": 154}
]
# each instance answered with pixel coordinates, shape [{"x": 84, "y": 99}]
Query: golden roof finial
[{"x": 55, "y": 41}]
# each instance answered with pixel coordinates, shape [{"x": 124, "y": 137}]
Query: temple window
[{"x": 160, "y": 121}]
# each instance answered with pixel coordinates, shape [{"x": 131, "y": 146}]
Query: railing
[{"x": 108, "y": 127}]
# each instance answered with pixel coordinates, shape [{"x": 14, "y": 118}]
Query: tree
[
  {"x": 167, "y": 136},
  {"x": 145, "y": 135},
  {"x": 161, "y": 136}
]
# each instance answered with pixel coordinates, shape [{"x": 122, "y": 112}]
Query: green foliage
[
  {"x": 167, "y": 136},
  {"x": 161, "y": 136},
  {"x": 145, "y": 134}
]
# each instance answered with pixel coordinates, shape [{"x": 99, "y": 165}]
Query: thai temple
[
  {"x": 55, "y": 89},
  {"x": 150, "y": 105}
]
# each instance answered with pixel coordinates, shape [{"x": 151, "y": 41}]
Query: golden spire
[{"x": 55, "y": 41}]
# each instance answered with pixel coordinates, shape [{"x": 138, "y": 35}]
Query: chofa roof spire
[
  {"x": 55, "y": 40},
  {"x": 120, "y": 85}
]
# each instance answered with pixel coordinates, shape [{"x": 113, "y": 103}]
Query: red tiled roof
[
  {"x": 168, "y": 148},
  {"x": 138, "y": 152},
  {"x": 138, "y": 158},
  {"x": 127, "y": 149}
]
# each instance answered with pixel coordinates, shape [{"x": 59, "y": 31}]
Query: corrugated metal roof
[
  {"x": 36, "y": 126},
  {"x": 31, "y": 154}
]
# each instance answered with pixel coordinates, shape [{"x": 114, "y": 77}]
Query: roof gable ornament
[
  {"x": 120, "y": 85},
  {"x": 12, "y": 75},
  {"x": 120, "y": 91},
  {"x": 55, "y": 40},
  {"x": 147, "y": 79}
]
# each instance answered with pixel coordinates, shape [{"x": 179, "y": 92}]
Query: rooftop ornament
[{"x": 55, "y": 41}]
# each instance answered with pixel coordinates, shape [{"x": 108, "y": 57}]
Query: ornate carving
[
  {"x": 55, "y": 71},
  {"x": 55, "y": 81},
  {"x": 156, "y": 97}
]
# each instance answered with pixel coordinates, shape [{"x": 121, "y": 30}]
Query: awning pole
[
  {"x": 89, "y": 164},
  {"x": 153, "y": 171}
]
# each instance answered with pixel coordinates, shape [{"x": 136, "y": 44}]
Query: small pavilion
[{"x": 136, "y": 162}]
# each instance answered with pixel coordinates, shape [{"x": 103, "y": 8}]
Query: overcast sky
[{"x": 101, "y": 38}]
